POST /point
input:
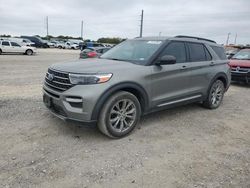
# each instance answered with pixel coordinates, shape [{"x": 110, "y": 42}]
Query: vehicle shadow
[
  {"x": 6, "y": 54},
  {"x": 77, "y": 130},
  {"x": 88, "y": 132}
]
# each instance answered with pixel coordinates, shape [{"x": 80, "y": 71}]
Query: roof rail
[{"x": 198, "y": 38}]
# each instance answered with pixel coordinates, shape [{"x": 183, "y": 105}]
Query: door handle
[
  {"x": 212, "y": 63},
  {"x": 183, "y": 67}
]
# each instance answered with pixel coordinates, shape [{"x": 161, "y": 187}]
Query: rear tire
[
  {"x": 29, "y": 52},
  {"x": 119, "y": 115},
  {"x": 215, "y": 95}
]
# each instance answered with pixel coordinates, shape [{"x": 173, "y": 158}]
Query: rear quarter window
[{"x": 219, "y": 51}]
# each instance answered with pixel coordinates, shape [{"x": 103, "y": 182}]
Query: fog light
[{"x": 74, "y": 99}]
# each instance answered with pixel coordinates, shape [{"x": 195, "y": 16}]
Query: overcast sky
[{"x": 212, "y": 19}]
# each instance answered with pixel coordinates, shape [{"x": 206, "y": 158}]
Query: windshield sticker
[{"x": 154, "y": 42}]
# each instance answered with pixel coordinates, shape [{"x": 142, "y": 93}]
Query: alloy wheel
[
  {"x": 122, "y": 115},
  {"x": 217, "y": 94}
]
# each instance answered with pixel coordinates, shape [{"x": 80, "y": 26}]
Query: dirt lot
[{"x": 183, "y": 147}]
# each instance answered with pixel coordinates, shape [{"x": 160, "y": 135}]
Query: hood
[
  {"x": 239, "y": 63},
  {"x": 94, "y": 65}
]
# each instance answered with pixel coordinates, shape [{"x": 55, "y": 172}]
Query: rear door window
[{"x": 196, "y": 52}]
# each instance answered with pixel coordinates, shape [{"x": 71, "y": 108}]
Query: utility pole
[
  {"x": 82, "y": 29},
  {"x": 141, "y": 26},
  {"x": 228, "y": 38},
  {"x": 235, "y": 39},
  {"x": 47, "y": 26}
]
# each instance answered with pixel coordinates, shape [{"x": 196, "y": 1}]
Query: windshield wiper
[{"x": 115, "y": 59}]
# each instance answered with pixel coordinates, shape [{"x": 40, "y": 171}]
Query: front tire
[
  {"x": 215, "y": 95},
  {"x": 29, "y": 52},
  {"x": 119, "y": 115},
  {"x": 0, "y": 51}
]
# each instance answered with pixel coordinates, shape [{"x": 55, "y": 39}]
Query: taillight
[{"x": 92, "y": 54}]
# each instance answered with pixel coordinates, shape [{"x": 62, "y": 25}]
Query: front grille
[
  {"x": 60, "y": 81},
  {"x": 241, "y": 69}
]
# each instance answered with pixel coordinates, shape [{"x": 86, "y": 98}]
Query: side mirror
[{"x": 166, "y": 60}]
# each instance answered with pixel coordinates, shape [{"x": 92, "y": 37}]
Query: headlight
[{"x": 85, "y": 79}]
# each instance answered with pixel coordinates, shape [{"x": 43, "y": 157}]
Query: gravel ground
[{"x": 183, "y": 147}]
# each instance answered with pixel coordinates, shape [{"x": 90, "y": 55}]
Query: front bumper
[
  {"x": 240, "y": 76},
  {"x": 76, "y": 103}
]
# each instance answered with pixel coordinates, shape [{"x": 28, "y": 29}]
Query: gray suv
[{"x": 137, "y": 77}]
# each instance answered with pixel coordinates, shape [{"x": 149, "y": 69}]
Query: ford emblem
[{"x": 51, "y": 77}]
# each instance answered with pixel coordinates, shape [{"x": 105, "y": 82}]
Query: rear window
[
  {"x": 87, "y": 50},
  {"x": 198, "y": 52},
  {"x": 219, "y": 51}
]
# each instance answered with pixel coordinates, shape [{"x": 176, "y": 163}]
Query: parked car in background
[
  {"x": 39, "y": 43},
  {"x": 69, "y": 45},
  {"x": 93, "y": 52},
  {"x": 13, "y": 47},
  {"x": 60, "y": 45},
  {"x": 231, "y": 52},
  {"x": 240, "y": 66},
  {"x": 137, "y": 77},
  {"x": 50, "y": 44}
]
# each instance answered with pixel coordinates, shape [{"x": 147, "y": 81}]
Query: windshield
[
  {"x": 138, "y": 51},
  {"x": 242, "y": 55}
]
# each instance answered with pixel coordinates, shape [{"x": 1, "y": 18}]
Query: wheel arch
[
  {"x": 223, "y": 78},
  {"x": 29, "y": 49},
  {"x": 219, "y": 76},
  {"x": 131, "y": 87}
]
